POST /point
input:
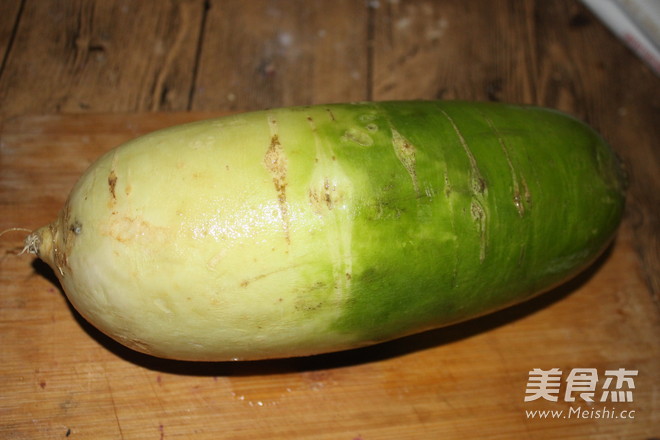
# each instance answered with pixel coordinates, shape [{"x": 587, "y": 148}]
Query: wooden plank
[
  {"x": 62, "y": 378},
  {"x": 9, "y": 16},
  {"x": 453, "y": 50},
  {"x": 265, "y": 53},
  {"x": 97, "y": 55}
]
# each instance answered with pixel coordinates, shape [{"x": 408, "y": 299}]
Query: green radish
[{"x": 306, "y": 230}]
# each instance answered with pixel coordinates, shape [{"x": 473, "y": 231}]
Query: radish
[{"x": 307, "y": 230}]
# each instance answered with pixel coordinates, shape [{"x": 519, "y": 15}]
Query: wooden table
[{"x": 77, "y": 78}]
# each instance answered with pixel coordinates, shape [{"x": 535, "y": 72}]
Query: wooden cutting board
[{"x": 60, "y": 378}]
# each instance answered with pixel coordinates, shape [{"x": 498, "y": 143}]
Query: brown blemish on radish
[
  {"x": 327, "y": 197},
  {"x": 112, "y": 183},
  {"x": 276, "y": 164}
]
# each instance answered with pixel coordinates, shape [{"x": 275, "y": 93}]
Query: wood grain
[
  {"x": 453, "y": 50},
  {"x": 9, "y": 13},
  {"x": 96, "y": 56},
  {"x": 265, "y": 53},
  {"x": 78, "y": 77}
]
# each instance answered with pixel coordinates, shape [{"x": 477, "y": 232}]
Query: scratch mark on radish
[
  {"x": 477, "y": 182},
  {"x": 479, "y": 216},
  {"x": 406, "y": 153},
  {"x": 478, "y": 187},
  {"x": 518, "y": 200}
]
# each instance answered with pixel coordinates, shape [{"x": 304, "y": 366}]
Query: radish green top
[{"x": 305, "y": 230}]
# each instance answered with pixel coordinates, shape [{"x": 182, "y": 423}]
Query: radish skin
[{"x": 307, "y": 230}]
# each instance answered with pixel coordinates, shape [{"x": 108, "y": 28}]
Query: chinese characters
[{"x": 581, "y": 383}]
